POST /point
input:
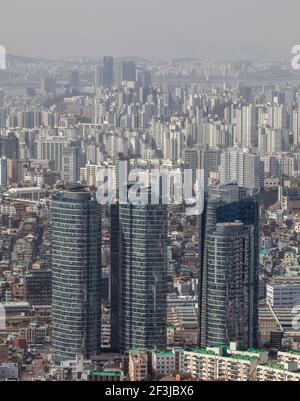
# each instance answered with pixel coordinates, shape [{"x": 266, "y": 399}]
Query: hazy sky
[{"x": 150, "y": 28}]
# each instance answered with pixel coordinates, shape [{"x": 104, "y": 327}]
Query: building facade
[{"x": 76, "y": 275}]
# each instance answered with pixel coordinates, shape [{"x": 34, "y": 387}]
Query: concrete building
[
  {"x": 283, "y": 294},
  {"x": 138, "y": 365},
  {"x": 9, "y": 371}
]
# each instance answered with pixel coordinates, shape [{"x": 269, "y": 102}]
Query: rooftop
[
  {"x": 203, "y": 351},
  {"x": 256, "y": 351},
  {"x": 273, "y": 365},
  {"x": 164, "y": 353},
  {"x": 105, "y": 373}
]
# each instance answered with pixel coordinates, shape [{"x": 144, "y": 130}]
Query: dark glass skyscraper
[
  {"x": 127, "y": 71},
  {"x": 115, "y": 277},
  {"x": 108, "y": 72},
  {"x": 143, "y": 275},
  {"x": 229, "y": 261},
  {"x": 115, "y": 274},
  {"x": 229, "y": 203},
  {"x": 76, "y": 274}
]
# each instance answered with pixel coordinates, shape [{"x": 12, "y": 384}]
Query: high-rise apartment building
[
  {"x": 51, "y": 149},
  {"x": 108, "y": 72},
  {"x": 71, "y": 163},
  {"x": 241, "y": 167},
  {"x": 246, "y": 126}
]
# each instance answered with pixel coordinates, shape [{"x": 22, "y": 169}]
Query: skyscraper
[
  {"x": 98, "y": 76},
  {"x": 229, "y": 258},
  {"x": 143, "y": 264},
  {"x": 191, "y": 160},
  {"x": 246, "y": 132},
  {"x": 241, "y": 167},
  {"x": 48, "y": 85},
  {"x": 108, "y": 72},
  {"x": 74, "y": 79},
  {"x": 115, "y": 274},
  {"x": 51, "y": 149},
  {"x": 127, "y": 71},
  {"x": 76, "y": 275},
  {"x": 115, "y": 277},
  {"x": 3, "y": 172},
  {"x": 9, "y": 145},
  {"x": 224, "y": 204}
]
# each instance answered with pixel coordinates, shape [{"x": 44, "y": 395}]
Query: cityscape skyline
[{"x": 149, "y": 193}]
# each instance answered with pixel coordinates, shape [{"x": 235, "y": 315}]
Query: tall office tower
[
  {"x": 115, "y": 278},
  {"x": 76, "y": 275},
  {"x": 246, "y": 93},
  {"x": 2, "y": 96},
  {"x": 209, "y": 161},
  {"x": 229, "y": 261},
  {"x": 108, "y": 72},
  {"x": 143, "y": 263},
  {"x": 71, "y": 163},
  {"x": 98, "y": 76},
  {"x": 3, "y": 172},
  {"x": 48, "y": 86},
  {"x": 144, "y": 78},
  {"x": 74, "y": 79},
  {"x": 127, "y": 71},
  {"x": 28, "y": 119},
  {"x": 9, "y": 145},
  {"x": 225, "y": 204},
  {"x": 115, "y": 273},
  {"x": 191, "y": 161}
]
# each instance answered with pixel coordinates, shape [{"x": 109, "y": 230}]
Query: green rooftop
[
  {"x": 293, "y": 351},
  {"x": 256, "y": 351},
  {"x": 242, "y": 357},
  {"x": 273, "y": 365},
  {"x": 164, "y": 353},
  {"x": 106, "y": 373},
  {"x": 203, "y": 351}
]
